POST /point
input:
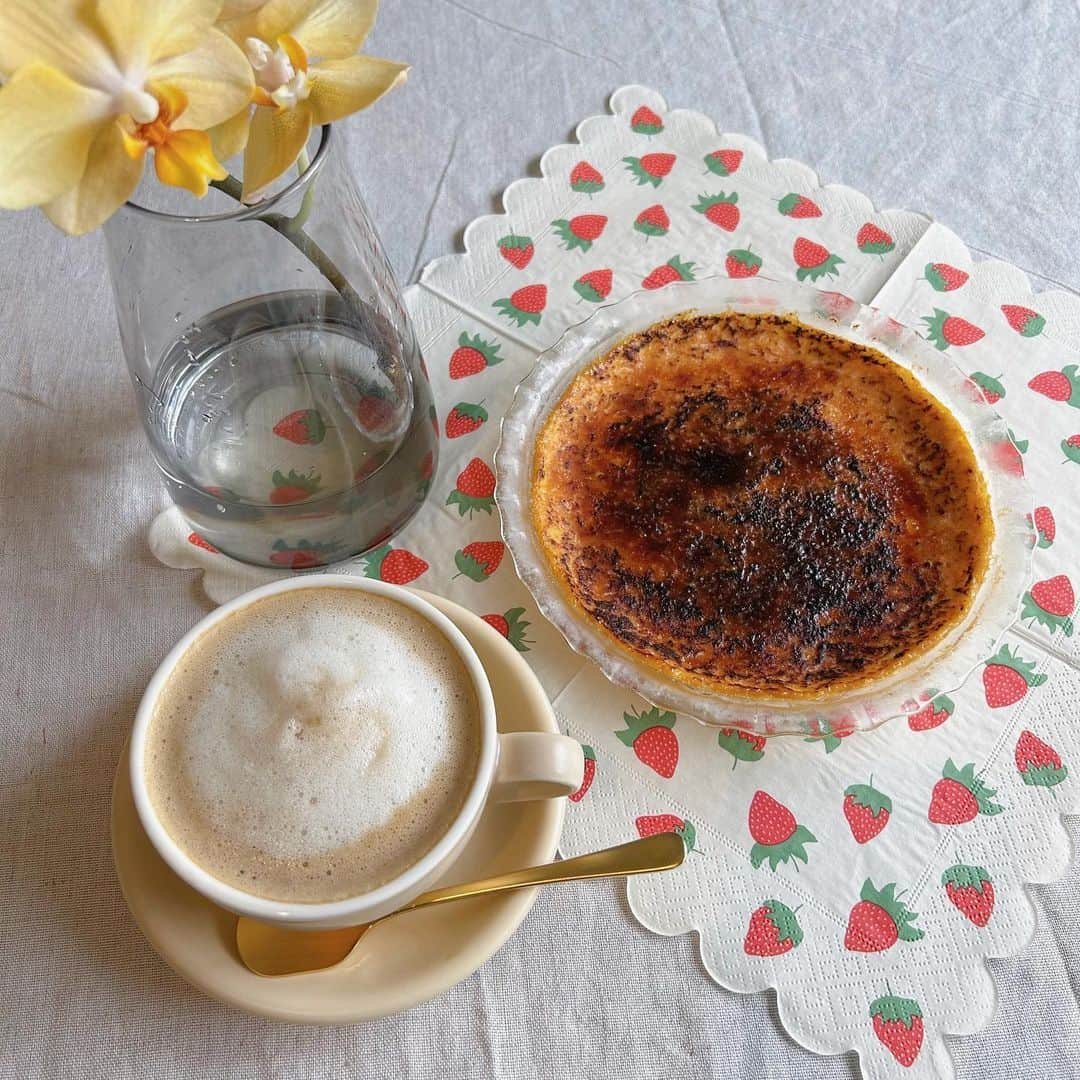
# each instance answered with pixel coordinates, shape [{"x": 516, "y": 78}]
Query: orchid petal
[
  {"x": 47, "y": 123},
  {"x": 110, "y": 177},
  {"x": 332, "y": 29},
  {"x": 142, "y": 31},
  {"x": 233, "y": 9},
  {"x": 238, "y": 18},
  {"x": 229, "y": 138},
  {"x": 186, "y": 160},
  {"x": 294, "y": 51},
  {"x": 52, "y": 33},
  {"x": 277, "y": 136},
  {"x": 341, "y": 87},
  {"x": 215, "y": 77}
]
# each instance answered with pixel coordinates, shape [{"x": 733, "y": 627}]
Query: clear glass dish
[{"x": 942, "y": 668}]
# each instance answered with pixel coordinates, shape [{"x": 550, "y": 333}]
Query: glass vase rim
[{"x": 244, "y": 212}]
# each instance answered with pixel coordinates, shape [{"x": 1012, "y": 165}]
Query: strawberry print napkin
[{"x": 865, "y": 878}]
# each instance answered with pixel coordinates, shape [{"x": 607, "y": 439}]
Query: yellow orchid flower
[
  {"x": 91, "y": 85},
  {"x": 182, "y": 157},
  {"x": 302, "y": 54}
]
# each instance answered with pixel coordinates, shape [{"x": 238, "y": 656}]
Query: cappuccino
[{"x": 313, "y": 745}]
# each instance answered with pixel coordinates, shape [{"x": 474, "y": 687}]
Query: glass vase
[{"x": 277, "y": 374}]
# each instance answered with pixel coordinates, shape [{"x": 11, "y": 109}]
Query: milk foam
[{"x": 313, "y": 745}]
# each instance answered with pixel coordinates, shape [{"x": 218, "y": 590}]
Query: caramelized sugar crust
[{"x": 757, "y": 506}]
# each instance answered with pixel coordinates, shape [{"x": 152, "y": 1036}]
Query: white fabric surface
[{"x": 967, "y": 111}]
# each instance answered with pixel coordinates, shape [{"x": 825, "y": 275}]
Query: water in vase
[{"x": 290, "y": 430}]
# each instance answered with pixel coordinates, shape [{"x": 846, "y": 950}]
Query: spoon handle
[
  {"x": 275, "y": 951},
  {"x": 664, "y": 851}
]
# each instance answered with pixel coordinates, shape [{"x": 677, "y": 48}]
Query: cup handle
[{"x": 537, "y": 765}]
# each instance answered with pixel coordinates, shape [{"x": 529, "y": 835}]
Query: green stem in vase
[
  {"x": 308, "y": 201},
  {"x": 292, "y": 228}
]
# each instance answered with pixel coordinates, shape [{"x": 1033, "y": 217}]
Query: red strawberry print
[
  {"x": 960, "y": 796},
  {"x": 741, "y": 745},
  {"x": 933, "y": 714},
  {"x": 369, "y": 465},
  {"x": 835, "y": 305},
  {"x": 1038, "y": 763},
  {"x": 579, "y": 232},
  {"x": 374, "y": 412},
  {"x": 464, "y": 418},
  {"x": 944, "y": 330},
  {"x": 590, "y": 775},
  {"x": 397, "y": 566},
  {"x": 720, "y": 209},
  {"x": 872, "y": 240},
  {"x": 943, "y": 277},
  {"x": 776, "y": 834},
  {"x": 651, "y": 824},
  {"x": 305, "y": 427},
  {"x": 516, "y": 250},
  {"x": 650, "y": 169},
  {"x": 1051, "y": 603},
  {"x": 201, "y": 542},
  {"x": 653, "y": 221},
  {"x": 525, "y": 305},
  {"x": 986, "y": 388},
  {"x": 594, "y": 286},
  {"x": 1045, "y": 526},
  {"x": 302, "y": 555},
  {"x": 473, "y": 355},
  {"x": 586, "y": 180},
  {"x": 773, "y": 930},
  {"x": 813, "y": 260},
  {"x": 1007, "y": 677},
  {"x": 1007, "y": 457},
  {"x": 294, "y": 487},
  {"x": 427, "y": 466},
  {"x": 651, "y": 736},
  {"x": 867, "y": 811},
  {"x": 646, "y": 122},
  {"x": 970, "y": 891},
  {"x": 898, "y": 1025},
  {"x": 1070, "y": 447},
  {"x": 480, "y": 559},
  {"x": 673, "y": 270},
  {"x": 798, "y": 206},
  {"x": 474, "y": 490},
  {"x": 742, "y": 263},
  {"x": 512, "y": 627},
  {"x": 879, "y": 920},
  {"x": 1063, "y": 385},
  {"x": 723, "y": 162},
  {"x": 1024, "y": 321},
  {"x": 829, "y": 733}
]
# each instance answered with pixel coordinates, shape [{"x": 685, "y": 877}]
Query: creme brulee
[{"x": 760, "y": 507}]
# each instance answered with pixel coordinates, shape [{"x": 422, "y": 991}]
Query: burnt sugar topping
[{"x": 760, "y": 507}]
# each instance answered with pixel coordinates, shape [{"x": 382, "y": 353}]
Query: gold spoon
[{"x": 268, "y": 949}]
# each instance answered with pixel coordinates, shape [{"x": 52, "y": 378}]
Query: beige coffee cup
[{"x": 510, "y": 767}]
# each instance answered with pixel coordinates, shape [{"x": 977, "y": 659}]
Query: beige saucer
[{"x": 399, "y": 964}]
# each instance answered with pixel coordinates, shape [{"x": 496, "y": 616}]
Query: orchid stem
[
  {"x": 307, "y": 202},
  {"x": 230, "y": 185},
  {"x": 292, "y": 228}
]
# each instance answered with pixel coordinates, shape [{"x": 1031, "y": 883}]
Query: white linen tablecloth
[{"x": 967, "y": 111}]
